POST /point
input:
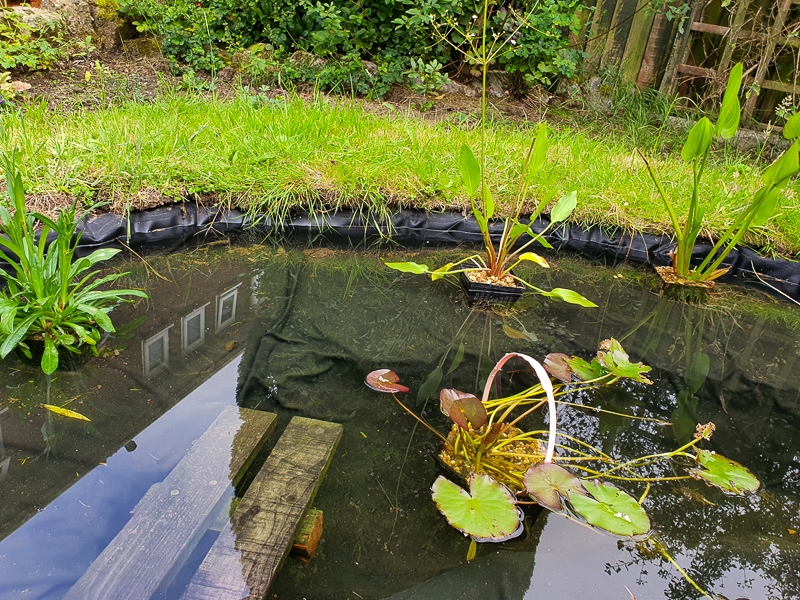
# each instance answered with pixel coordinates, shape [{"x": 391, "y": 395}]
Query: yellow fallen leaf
[
  {"x": 791, "y": 531},
  {"x": 514, "y": 334},
  {"x": 65, "y": 412}
]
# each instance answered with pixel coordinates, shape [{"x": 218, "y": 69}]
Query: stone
[
  {"x": 458, "y": 89},
  {"x": 370, "y": 67},
  {"x": 498, "y": 84},
  {"x": 78, "y": 15},
  {"x": 39, "y": 20}
]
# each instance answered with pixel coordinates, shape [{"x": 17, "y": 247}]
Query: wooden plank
[
  {"x": 638, "y": 38},
  {"x": 657, "y": 52},
  {"x": 680, "y": 51},
  {"x": 601, "y": 24},
  {"x": 789, "y": 88},
  {"x": 768, "y": 55},
  {"x": 246, "y": 556},
  {"x": 736, "y": 31},
  {"x": 620, "y": 28},
  {"x": 697, "y": 71},
  {"x": 709, "y": 28},
  {"x": 167, "y": 525}
]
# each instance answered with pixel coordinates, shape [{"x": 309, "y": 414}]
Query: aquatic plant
[
  {"x": 572, "y": 477},
  {"x": 496, "y": 266},
  {"x": 50, "y": 299},
  {"x": 755, "y": 214}
]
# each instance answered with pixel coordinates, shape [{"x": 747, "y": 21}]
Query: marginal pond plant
[
  {"x": 495, "y": 266},
  {"x": 51, "y": 299},
  {"x": 488, "y": 448},
  {"x": 756, "y": 213}
]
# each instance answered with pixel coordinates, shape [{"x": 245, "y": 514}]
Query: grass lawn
[{"x": 277, "y": 156}]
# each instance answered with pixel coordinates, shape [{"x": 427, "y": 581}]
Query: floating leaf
[
  {"x": 569, "y": 296},
  {"x": 385, "y": 380},
  {"x": 408, "y": 267},
  {"x": 611, "y": 509},
  {"x": 557, "y": 365},
  {"x": 430, "y": 385},
  {"x": 462, "y": 408},
  {"x": 615, "y": 360},
  {"x": 473, "y": 550},
  {"x": 65, "y": 412},
  {"x": 514, "y": 334},
  {"x": 726, "y": 474},
  {"x": 548, "y": 483},
  {"x": 584, "y": 370},
  {"x": 487, "y": 513}
]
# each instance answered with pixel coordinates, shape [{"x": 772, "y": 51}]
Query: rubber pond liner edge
[{"x": 175, "y": 225}]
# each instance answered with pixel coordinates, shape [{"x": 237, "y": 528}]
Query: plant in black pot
[
  {"x": 51, "y": 301},
  {"x": 489, "y": 277}
]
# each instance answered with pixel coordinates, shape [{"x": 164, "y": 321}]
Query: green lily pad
[
  {"x": 488, "y": 512},
  {"x": 611, "y": 509},
  {"x": 548, "y": 483},
  {"x": 726, "y": 474}
]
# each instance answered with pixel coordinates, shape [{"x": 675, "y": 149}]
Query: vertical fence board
[
  {"x": 638, "y": 38},
  {"x": 656, "y": 53},
  {"x": 601, "y": 23},
  {"x": 618, "y": 38}
]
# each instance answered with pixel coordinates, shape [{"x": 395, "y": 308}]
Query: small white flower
[
  {"x": 513, "y": 42},
  {"x": 474, "y": 17}
]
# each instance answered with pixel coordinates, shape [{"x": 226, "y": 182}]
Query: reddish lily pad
[
  {"x": 548, "y": 483},
  {"x": 385, "y": 380},
  {"x": 557, "y": 365},
  {"x": 488, "y": 512},
  {"x": 724, "y": 473},
  {"x": 463, "y": 409}
]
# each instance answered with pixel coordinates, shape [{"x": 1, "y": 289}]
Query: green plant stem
[{"x": 420, "y": 420}]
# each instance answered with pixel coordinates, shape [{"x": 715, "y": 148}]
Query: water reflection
[{"x": 311, "y": 324}]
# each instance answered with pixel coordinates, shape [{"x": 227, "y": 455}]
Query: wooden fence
[{"x": 688, "y": 46}]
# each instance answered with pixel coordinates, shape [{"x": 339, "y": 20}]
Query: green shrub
[
  {"x": 50, "y": 297},
  {"x": 21, "y": 46},
  {"x": 408, "y": 40}
]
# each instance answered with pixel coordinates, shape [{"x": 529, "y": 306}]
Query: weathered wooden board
[
  {"x": 247, "y": 554},
  {"x": 175, "y": 513}
]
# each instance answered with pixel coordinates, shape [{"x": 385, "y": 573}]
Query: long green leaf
[
  {"x": 50, "y": 356},
  {"x": 699, "y": 140},
  {"x": 564, "y": 207},
  {"x": 470, "y": 170},
  {"x": 792, "y": 128},
  {"x": 783, "y": 168},
  {"x": 408, "y": 267},
  {"x": 730, "y": 111},
  {"x": 570, "y": 297},
  {"x": 539, "y": 155},
  {"x": 20, "y": 331}
]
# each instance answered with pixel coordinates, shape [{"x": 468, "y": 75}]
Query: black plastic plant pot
[{"x": 487, "y": 293}]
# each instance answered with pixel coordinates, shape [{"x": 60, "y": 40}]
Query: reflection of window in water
[
  {"x": 193, "y": 329},
  {"x": 226, "y": 307},
  {"x": 155, "y": 352},
  {"x": 4, "y": 464}
]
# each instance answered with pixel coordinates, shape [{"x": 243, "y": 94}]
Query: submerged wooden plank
[
  {"x": 248, "y": 553},
  {"x": 175, "y": 513}
]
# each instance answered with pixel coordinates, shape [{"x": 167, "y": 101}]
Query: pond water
[{"x": 295, "y": 330}]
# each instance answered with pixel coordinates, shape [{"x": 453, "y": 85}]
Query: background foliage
[{"x": 408, "y": 40}]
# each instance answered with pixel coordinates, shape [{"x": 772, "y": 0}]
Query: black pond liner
[{"x": 175, "y": 225}]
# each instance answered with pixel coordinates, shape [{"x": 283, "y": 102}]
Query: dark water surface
[{"x": 295, "y": 331}]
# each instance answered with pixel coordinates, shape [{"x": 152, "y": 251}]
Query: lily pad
[
  {"x": 385, "y": 380},
  {"x": 488, "y": 512},
  {"x": 463, "y": 409},
  {"x": 548, "y": 483},
  {"x": 724, "y": 473},
  {"x": 557, "y": 365},
  {"x": 611, "y": 509}
]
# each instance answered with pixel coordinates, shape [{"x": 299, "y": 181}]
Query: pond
[{"x": 294, "y": 330}]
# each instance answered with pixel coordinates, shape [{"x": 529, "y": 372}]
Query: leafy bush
[
  {"x": 21, "y": 46},
  {"x": 50, "y": 299},
  {"x": 404, "y": 39}
]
